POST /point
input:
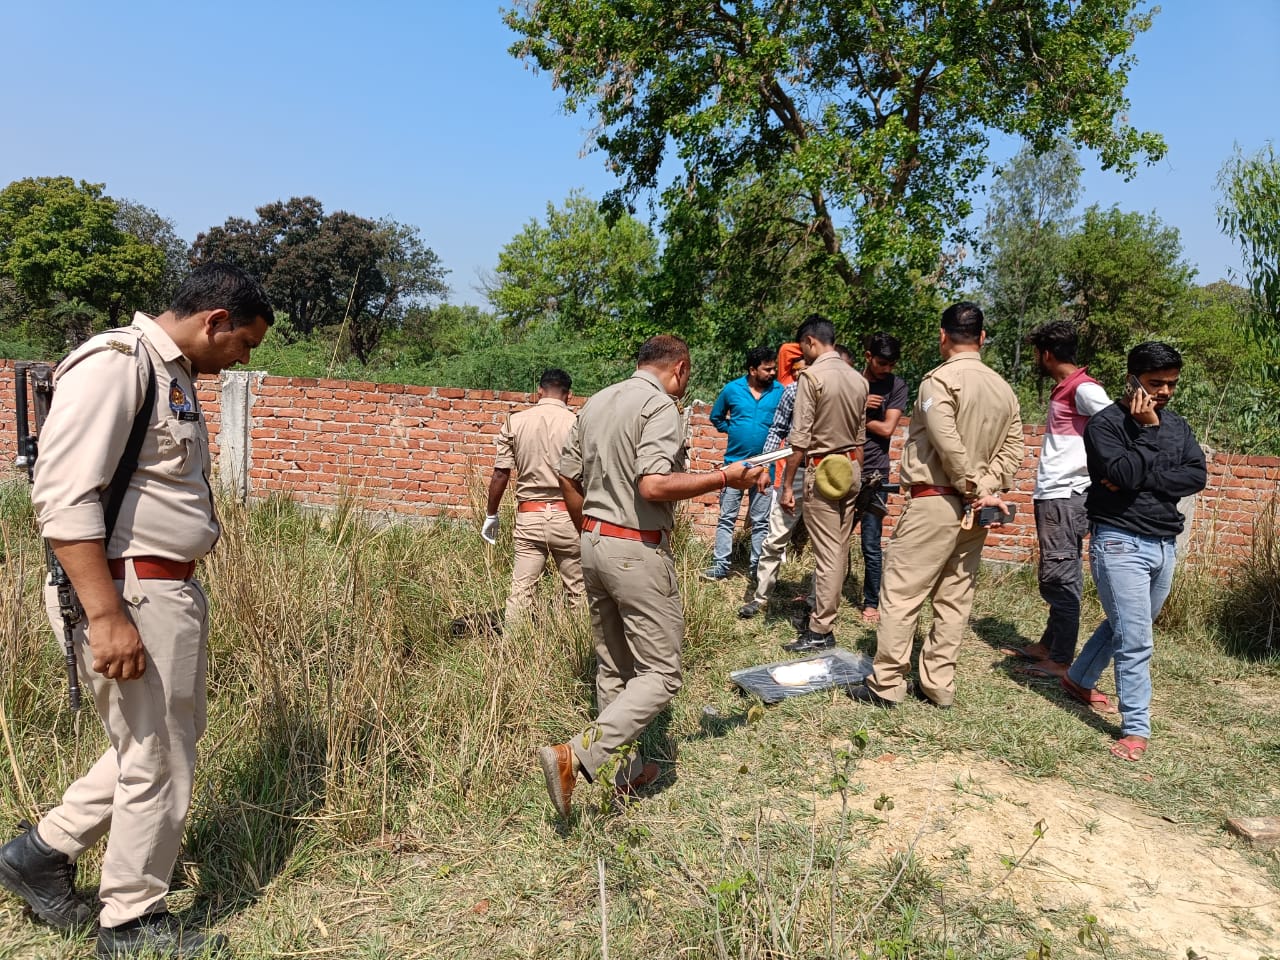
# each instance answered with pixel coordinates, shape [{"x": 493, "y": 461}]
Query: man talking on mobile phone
[{"x": 1143, "y": 459}]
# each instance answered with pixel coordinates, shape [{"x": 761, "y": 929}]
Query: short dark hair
[
  {"x": 222, "y": 286},
  {"x": 819, "y": 327},
  {"x": 845, "y": 353},
  {"x": 883, "y": 346},
  {"x": 662, "y": 349},
  {"x": 963, "y": 322},
  {"x": 553, "y": 378},
  {"x": 1059, "y": 337},
  {"x": 1153, "y": 355},
  {"x": 759, "y": 355}
]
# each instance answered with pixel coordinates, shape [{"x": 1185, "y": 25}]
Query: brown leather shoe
[
  {"x": 560, "y": 768},
  {"x": 647, "y": 775}
]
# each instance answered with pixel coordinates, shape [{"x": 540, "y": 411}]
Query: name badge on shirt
[{"x": 180, "y": 403}]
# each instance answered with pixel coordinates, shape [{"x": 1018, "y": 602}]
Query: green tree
[
  {"x": 1023, "y": 241},
  {"x": 577, "y": 269},
  {"x": 330, "y": 270},
  {"x": 1124, "y": 280},
  {"x": 156, "y": 230},
  {"x": 60, "y": 244},
  {"x": 868, "y": 122},
  {"x": 1250, "y": 214}
]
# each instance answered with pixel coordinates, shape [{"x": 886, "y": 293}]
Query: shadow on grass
[
  {"x": 1000, "y": 633},
  {"x": 245, "y": 835}
]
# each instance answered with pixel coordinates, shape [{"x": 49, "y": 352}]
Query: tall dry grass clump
[{"x": 1249, "y": 603}]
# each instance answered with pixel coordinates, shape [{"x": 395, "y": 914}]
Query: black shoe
[
  {"x": 46, "y": 879},
  {"x": 925, "y": 698},
  {"x": 864, "y": 694},
  {"x": 159, "y": 935},
  {"x": 749, "y": 610},
  {"x": 809, "y": 640}
]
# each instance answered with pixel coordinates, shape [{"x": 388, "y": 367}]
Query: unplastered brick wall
[{"x": 421, "y": 452}]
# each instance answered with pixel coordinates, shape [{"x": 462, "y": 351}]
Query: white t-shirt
[{"x": 1063, "y": 470}]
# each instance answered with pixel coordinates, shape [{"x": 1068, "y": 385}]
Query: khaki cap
[{"x": 834, "y": 476}]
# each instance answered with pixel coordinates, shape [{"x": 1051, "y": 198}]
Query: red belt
[
  {"x": 153, "y": 568},
  {"x": 592, "y": 525},
  {"x": 851, "y": 454},
  {"x": 539, "y": 506},
  {"x": 932, "y": 490}
]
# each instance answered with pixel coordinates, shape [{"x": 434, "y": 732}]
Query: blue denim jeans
[
  {"x": 872, "y": 554},
  {"x": 757, "y": 516},
  {"x": 1133, "y": 574}
]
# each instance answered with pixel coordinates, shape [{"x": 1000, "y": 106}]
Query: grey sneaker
[
  {"x": 749, "y": 610},
  {"x": 46, "y": 880},
  {"x": 159, "y": 935}
]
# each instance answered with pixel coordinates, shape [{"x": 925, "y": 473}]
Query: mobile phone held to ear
[
  {"x": 1134, "y": 386},
  {"x": 991, "y": 515}
]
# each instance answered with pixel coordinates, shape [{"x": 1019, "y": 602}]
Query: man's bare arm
[
  {"x": 573, "y": 497},
  {"x": 497, "y": 487},
  {"x": 667, "y": 487}
]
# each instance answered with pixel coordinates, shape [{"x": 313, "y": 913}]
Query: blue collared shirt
[{"x": 743, "y": 418}]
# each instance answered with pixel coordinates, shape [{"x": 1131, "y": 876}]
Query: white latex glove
[{"x": 489, "y": 529}]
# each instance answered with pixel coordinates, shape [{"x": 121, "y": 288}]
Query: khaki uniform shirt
[
  {"x": 831, "y": 408},
  {"x": 966, "y": 431},
  {"x": 168, "y": 507},
  {"x": 626, "y": 431},
  {"x": 530, "y": 444}
]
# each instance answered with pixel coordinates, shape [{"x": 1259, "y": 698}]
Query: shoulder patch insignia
[{"x": 121, "y": 347}]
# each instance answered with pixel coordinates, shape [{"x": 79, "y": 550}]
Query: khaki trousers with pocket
[
  {"x": 781, "y": 527},
  {"x": 830, "y": 525},
  {"x": 538, "y": 535},
  {"x": 930, "y": 556},
  {"x": 637, "y": 620},
  {"x": 140, "y": 789}
]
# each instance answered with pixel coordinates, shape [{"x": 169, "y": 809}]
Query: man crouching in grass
[{"x": 1143, "y": 458}]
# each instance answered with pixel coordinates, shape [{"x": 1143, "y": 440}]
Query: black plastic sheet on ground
[{"x": 773, "y": 682}]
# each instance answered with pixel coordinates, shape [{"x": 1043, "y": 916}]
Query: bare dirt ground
[{"x": 1169, "y": 888}]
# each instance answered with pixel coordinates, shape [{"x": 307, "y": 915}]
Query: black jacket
[{"x": 1154, "y": 467}]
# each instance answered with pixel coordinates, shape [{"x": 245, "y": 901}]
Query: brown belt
[
  {"x": 605, "y": 529},
  {"x": 932, "y": 490},
  {"x": 153, "y": 568},
  {"x": 539, "y": 506},
  {"x": 814, "y": 461}
]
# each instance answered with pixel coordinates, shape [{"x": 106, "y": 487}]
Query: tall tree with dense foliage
[
  {"x": 66, "y": 255},
  {"x": 330, "y": 270},
  {"x": 1023, "y": 242},
  {"x": 868, "y": 122},
  {"x": 576, "y": 268},
  {"x": 1250, "y": 214},
  {"x": 1124, "y": 280}
]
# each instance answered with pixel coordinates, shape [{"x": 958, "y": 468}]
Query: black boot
[
  {"x": 46, "y": 879},
  {"x": 159, "y": 935}
]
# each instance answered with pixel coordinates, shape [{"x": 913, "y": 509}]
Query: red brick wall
[{"x": 427, "y": 451}]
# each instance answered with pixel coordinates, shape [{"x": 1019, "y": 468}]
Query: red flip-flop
[
  {"x": 1129, "y": 748},
  {"x": 1093, "y": 699}
]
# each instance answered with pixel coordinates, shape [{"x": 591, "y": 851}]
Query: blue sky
[{"x": 416, "y": 111}]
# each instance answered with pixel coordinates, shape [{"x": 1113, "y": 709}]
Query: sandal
[
  {"x": 1095, "y": 700},
  {"x": 1129, "y": 748},
  {"x": 1009, "y": 650}
]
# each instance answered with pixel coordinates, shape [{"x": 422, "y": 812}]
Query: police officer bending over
[{"x": 142, "y": 644}]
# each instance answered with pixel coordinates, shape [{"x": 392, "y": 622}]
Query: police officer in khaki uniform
[
  {"x": 964, "y": 447},
  {"x": 622, "y": 472},
  {"x": 829, "y": 423},
  {"x": 530, "y": 444},
  {"x": 142, "y": 642}
]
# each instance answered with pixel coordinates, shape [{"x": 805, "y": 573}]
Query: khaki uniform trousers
[
  {"x": 140, "y": 788},
  {"x": 781, "y": 526},
  {"x": 637, "y": 620},
  {"x": 538, "y": 535},
  {"x": 830, "y": 525},
  {"x": 930, "y": 555}
]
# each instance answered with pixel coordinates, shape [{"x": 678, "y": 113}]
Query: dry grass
[{"x": 367, "y": 787}]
